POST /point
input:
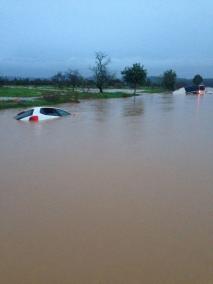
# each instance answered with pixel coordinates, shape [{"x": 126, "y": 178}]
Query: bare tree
[
  {"x": 59, "y": 80},
  {"x": 101, "y": 74},
  {"x": 1, "y": 81},
  {"x": 73, "y": 78}
]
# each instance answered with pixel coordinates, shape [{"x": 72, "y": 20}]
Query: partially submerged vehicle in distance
[
  {"x": 40, "y": 114},
  {"x": 195, "y": 90}
]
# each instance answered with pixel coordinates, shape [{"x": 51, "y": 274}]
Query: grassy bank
[
  {"x": 42, "y": 101},
  {"x": 22, "y": 97},
  {"x": 113, "y": 95},
  {"x": 20, "y": 92},
  {"x": 153, "y": 90},
  {"x": 31, "y": 92}
]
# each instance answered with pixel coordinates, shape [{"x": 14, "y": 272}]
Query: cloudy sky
[{"x": 41, "y": 37}]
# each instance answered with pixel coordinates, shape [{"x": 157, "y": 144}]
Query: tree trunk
[
  {"x": 135, "y": 89},
  {"x": 135, "y": 92},
  {"x": 101, "y": 90}
]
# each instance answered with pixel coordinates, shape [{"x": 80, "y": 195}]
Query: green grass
[
  {"x": 19, "y": 92},
  {"x": 30, "y": 92},
  {"x": 48, "y": 96},
  {"x": 103, "y": 96},
  {"x": 15, "y": 104},
  {"x": 152, "y": 90},
  {"x": 36, "y": 102},
  {"x": 40, "y": 91}
]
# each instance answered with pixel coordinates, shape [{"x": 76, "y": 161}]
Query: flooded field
[{"x": 118, "y": 193}]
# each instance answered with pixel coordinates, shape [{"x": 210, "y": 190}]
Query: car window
[
  {"x": 191, "y": 89},
  {"x": 202, "y": 88},
  {"x": 63, "y": 112},
  {"x": 24, "y": 114},
  {"x": 49, "y": 111}
]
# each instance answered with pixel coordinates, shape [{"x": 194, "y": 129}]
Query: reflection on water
[
  {"x": 117, "y": 193},
  {"x": 199, "y": 100},
  {"x": 136, "y": 108},
  {"x": 167, "y": 102}
]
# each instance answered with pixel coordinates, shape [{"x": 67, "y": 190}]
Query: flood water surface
[{"x": 116, "y": 193}]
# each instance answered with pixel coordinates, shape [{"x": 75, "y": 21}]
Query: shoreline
[{"x": 22, "y": 96}]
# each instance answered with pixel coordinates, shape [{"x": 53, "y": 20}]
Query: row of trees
[{"x": 132, "y": 76}]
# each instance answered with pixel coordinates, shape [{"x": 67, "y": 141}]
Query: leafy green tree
[
  {"x": 169, "y": 80},
  {"x": 134, "y": 76},
  {"x": 197, "y": 80},
  {"x": 100, "y": 70}
]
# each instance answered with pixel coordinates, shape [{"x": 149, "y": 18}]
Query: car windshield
[
  {"x": 54, "y": 112},
  {"x": 24, "y": 114},
  {"x": 49, "y": 111},
  {"x": 202, "y": 88},
  {"x": 63, "y": 112}
]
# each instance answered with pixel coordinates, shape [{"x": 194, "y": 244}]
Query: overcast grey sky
[{"x": 41, "y": 37}]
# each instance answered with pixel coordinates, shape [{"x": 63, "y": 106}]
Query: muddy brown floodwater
[{"x": 119, "y": 193}]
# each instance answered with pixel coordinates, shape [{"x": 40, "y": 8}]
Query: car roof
[
  {"x": 38, "y": 108},
  {"x": 44, "y": 107}
]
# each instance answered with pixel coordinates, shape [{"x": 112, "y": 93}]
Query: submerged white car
[{"x": 40, "y": 114}]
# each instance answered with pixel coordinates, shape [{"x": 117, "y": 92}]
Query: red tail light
[{"x": 34, "y": 118}]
